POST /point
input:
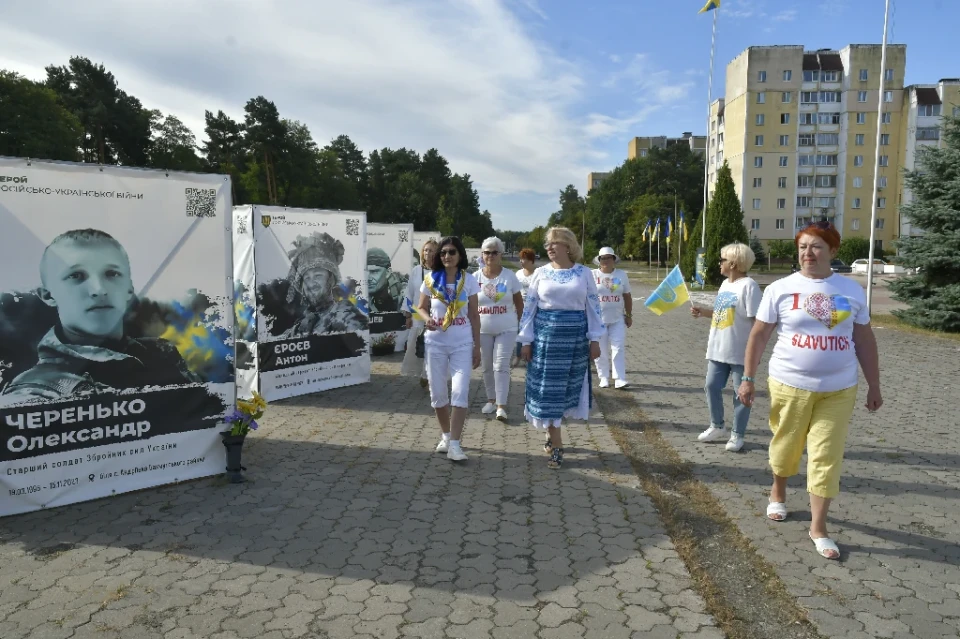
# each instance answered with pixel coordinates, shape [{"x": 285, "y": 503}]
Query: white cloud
[
  {"x": 786, "y": 16},
  {"x": 534, "y": 7},
  {"x": 615, "y": 59}
]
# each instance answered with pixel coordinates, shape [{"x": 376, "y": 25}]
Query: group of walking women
[{"x": 562, "y": 315}]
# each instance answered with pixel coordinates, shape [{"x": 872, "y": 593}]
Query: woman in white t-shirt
[
  {"x": 448, "y": 306},
  {"x": 524, "y": 276},
  {"x": 733, "y": 313},
  {"x": 616, "y": 308},
  {"x": 501, "y": 305},
  {"x": 824, "y": 331},
  {"x": 412, "y": 365}
]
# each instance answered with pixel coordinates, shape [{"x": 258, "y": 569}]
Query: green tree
[
  {"x": 265, "y": 137},
  {"x": 33, "y": 122},
  {"x": 173, "y": 145},
  {"x": 933, "y": 293},
  {"x": 782, "y": 249},
  {"x": 758, "y": 251},
  {"x": 854, "y": 248},
  {"x": 724, "y": 223},
  {"x": 353, "y": 166},
  {"x": 224, "y": 150},
  {"x": 688, "y": 256}
]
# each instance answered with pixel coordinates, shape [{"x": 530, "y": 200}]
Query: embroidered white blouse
[{"x": 570, "y": 289}]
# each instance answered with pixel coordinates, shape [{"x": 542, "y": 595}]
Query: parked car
[
  {"x": 838, "y": 266},
  {"x": 864, "y": 263}
]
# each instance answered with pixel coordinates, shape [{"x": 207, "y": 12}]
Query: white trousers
[
  {"x": 449, "y": 363},
  {"x": 412, "y": 365},
  {"x": 495, "y": 353},
  {"x": 613, "y": 342}
]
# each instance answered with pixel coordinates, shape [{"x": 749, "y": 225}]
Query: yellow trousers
[{"x": 818, "y": 421}]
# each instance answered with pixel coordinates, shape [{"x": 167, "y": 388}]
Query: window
[
  {"x": 884, "y": 160},
  {"x": 805, "y": 181},
  {"x": 879, "y": 223},
  {"x": 888, "y": 76},
  {"x": 808, "y": 118},
  {"x": 761, "y": 76},
  {"x": 878, "y": 245},
  {"x": 827, "y": 139},
  {"x": 859, "y": 139},
  {"x": 786, "y": 97},
  {"x": 956, "y": 111},
  {"x": 856, "y": 203},
  {"x": 888, "y": 96},
  {"x": 886, "y": 118},
  {"x": 761, "y": 98},
  {"x": 857, "y": 182},
  {"x": 826, "y": 181},
  {"x": 785, "y": 118},
  {"x": 784, "y": 140},
  {"x": 806, "y": 139},
  {"x": 781, "y": 203},
  {"x": 781, "y": 223},
  {"x": 787, "y": 75},
  {"x": 758, "y": 162},
  {"x": 861, "y": 118},
  {"x": 713, "y": 125},
  {"x": 828, "y": 118},
  {"x": 884, "y": 139},
  {"x": 825, "y": 202},
  {"x": 861, "y": 96},
  {"x": 863, "y": 75},
  {"x": 756, "y": 203},
  {"x": 804, "y": 201},
  {"x": 858, "y": 160},
  {"x": 643, "y": 153},
  {"x": 760, "y": 119},
  {"x": 928, "y": 133},
  {"x": 758, "y": 140},
  {"x": 829, "y": 76},
  {"x": 855, "y": 225},
  {"x": 754, "y": 224},
  {"x": 782, "y": 183},
  {"x": 881, "y": 204},
  {"x": 783, "y": 160},
  {"x": 757, "y": 183},
  {"x": 810, "y": 76},
  {"x": 819, "y": 159}
]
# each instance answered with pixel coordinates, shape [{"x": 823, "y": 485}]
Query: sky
[{"x": 526, "y": 96}]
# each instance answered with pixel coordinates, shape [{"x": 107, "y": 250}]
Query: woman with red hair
[{"x": 824, "y": 331}]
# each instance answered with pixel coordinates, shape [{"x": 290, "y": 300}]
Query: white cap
[{"x": 606, "y": 250}]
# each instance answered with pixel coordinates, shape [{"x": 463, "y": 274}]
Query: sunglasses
[
  {"x": 606, "y": 257},
  {"x": 823, "y": 225},
  {"x": 491, "y": 253},
  {"x": 449, "y": 253}
]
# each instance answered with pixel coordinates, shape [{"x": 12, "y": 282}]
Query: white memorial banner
[
  {"x": 116, "y": 330},
  {"x": 389, "y": 264},
  {"x": 301, "y": 308}
]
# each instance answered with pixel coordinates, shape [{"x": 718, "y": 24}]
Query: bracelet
[
  {"x": 747, "y": 378},
  {"x": 628, "y": 315}
]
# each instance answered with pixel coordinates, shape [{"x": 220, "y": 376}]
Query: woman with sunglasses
[
  {"x": 824, "y": 331},
  {"x": 560, "y": 332},
  {"x": 412, "y": 365},
  {"x": 501, "y": 305},
  {"x": 448, "y": 306}
]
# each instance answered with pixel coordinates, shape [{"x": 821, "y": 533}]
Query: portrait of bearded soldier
[
  {"x": 315, "y": 279},
  {"x": 387, "y": 287}
]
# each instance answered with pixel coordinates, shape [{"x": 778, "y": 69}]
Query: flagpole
[
  {"x": 708, "y": 151},
  {"x": 649, "y": 247},
  {"x": 658, "y": 248},
  {"x": 876, "y": 160},
  {"x": 675, "y": 226}
]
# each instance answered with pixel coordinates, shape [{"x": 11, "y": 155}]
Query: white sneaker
[
  {"x": 604, "y": 382},
  {"x": 621, "y": 383},
  {"x": 442, "y": 446},
  {"x": 735, "y": 443},
  {"x": 712, "y": 434},
  {"x": 489, "y": 408},
  {"x": 455, "y": 453},
  {"x": 501, "y": 415}
]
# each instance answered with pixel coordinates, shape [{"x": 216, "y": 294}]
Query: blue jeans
[{"x": 718, "y": 374}]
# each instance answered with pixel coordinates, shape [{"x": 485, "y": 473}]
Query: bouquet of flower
[{"x": 244, "y": 418}]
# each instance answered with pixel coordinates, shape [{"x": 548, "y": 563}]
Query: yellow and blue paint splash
[{"x": 205, "y": 346}]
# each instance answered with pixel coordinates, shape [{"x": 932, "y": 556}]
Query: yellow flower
[{"x": 259, "y": 400}]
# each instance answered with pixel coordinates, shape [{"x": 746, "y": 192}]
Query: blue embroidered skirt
[{"x": 557, "y": 383}]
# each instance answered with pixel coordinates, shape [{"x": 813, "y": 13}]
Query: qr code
[
  {"x": 353, "y": 226},
  {"x": 201, "y": 202},
  {"x": 402, "y": 236}
]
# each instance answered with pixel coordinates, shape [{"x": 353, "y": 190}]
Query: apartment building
[
  {"x": 595, "y": 179},
  {"x": 924, "y": 106},
  {"x": 640, "y": 147},
  {"x": 798, "y": 129}
]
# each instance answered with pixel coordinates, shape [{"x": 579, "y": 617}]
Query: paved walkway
[
  {"x": 897, "y": 520},
  {"x": 353, "y": 527}
]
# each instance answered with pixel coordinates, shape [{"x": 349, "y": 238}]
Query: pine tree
[
  {"x": 933, "y": 293},
  {"x": 757, "y": 246},
  {"x": 724, "y": 223}
]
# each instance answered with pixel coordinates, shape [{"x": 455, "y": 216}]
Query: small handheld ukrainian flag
[
  {"x": 710, "y": 6},
  {"x": 671, "y": 293}
]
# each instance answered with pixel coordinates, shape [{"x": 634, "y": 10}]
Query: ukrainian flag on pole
[
  {"x": 671, "y": 293},
  {"x": 710, "y": 6}
]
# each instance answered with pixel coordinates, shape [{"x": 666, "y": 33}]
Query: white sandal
[
  {"x": 825, "y": 544},
  {"x": 776, "y": 511}
]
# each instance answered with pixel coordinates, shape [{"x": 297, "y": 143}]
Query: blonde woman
[
  {"x": 732, "y": 319},
  {"x": 560, "y": 332},
  {"x": 414, "y": 366}
]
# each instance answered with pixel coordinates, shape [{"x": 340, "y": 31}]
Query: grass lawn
[{"x": 884, "y": 320}]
